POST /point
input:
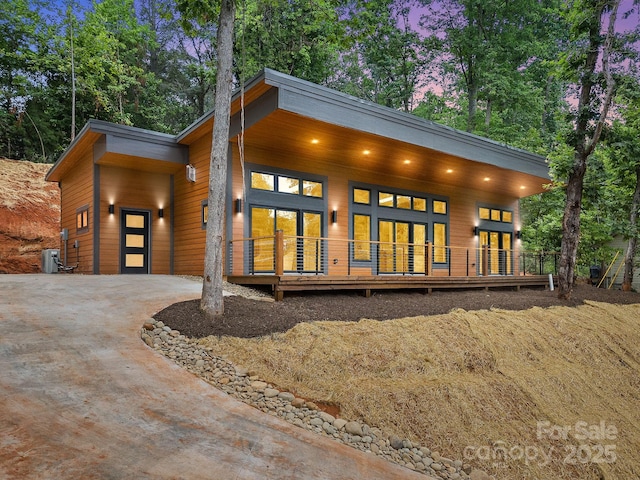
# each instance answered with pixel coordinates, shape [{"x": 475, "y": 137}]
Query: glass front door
[
  {"x": 300, "y": 254},
  {"x": 134, "y": 241},
  {"x": 500, "y": 261},
  {"x": 400, "y": 249}
]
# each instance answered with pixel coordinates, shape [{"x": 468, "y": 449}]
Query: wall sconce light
[
  {"x": 161, "y": 213},
  {"x": 191, "y": 173},
  {"x": 476, "y": 231},
  {"x": 334, "y": 216},
  {"x": 519, "y": 235},
  {"x": 238, "y": 203},
  {"x": 112, "y": 209}
]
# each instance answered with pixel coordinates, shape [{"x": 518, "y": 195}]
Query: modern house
[{"x": 321, "y": 185}]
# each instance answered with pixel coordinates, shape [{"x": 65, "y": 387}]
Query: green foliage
[
  {"x": 387, "y": 58},
  {"x": 298, "y": 37},
  {"x": 495, "y": 55}
]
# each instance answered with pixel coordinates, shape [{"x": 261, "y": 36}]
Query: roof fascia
[
  {"x": 157, "y": 140},
  {"x": 255, "y": 80},
  {"x": 330, "y": 106}
]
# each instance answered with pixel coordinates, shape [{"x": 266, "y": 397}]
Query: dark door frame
[{"x": 145, "y": 250}]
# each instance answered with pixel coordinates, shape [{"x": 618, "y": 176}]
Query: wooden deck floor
[{"x": 300, "y": 283}]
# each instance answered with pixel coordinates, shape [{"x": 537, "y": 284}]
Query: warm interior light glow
[
  {"x": 315, "y": 141},
  {"x": 486, "y": 179},
  {"x": 407, "y": 162},
  {"x": 366, "y": 152},
  {"x": 522, "y": 187},
  {"x": 449, "y": 170}
]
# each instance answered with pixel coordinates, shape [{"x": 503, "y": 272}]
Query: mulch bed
[{"x": 247, "y": 318}]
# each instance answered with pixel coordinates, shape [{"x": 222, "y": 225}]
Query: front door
[
  {"x": 401, "y": 247},
  {"x": 500, "y": 261},
  {"x": 134, "y": 241},
  {"x": 302, "y": 239}
]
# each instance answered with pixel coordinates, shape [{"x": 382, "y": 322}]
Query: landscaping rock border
[{"x": 239, "y": 383}]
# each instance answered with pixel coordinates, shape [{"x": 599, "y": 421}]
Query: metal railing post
[{"x": 467, "y": 262}]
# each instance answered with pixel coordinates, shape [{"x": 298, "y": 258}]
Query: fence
[{"x": 281, "y": 254}]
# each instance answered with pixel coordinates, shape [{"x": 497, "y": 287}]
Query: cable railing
[{"x": 281, "y": 254}]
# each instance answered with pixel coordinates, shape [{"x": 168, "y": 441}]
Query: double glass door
[
  {"x": 302, "y": 232},
  {"x": 402, "y": 247},
  {"x": 500, "y": 254}
]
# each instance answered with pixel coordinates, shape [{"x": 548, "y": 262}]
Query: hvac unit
[{"x": 50, "y": 259}]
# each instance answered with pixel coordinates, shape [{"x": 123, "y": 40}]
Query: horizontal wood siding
[
  {"x": 76, "y": 191},
  {"x": 132, "y": 189},
  {"x": 189, "y": 237}
]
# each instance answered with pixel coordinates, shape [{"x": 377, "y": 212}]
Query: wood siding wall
[
  {"x": 189, "y": 236},
  {"x": 463, "y": 207},
  {"x": 135, "y": 190},
  {"x": 76, "y": 191}
]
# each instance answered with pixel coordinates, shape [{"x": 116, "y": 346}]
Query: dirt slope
[
  {"x": 29, "y": 215},
  {"x": 538, "y": 394}
]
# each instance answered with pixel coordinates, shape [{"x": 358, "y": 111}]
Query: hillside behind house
[{"x": 29, "y": 215}]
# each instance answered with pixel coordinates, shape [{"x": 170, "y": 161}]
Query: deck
[{"x": 303, "y": 283}]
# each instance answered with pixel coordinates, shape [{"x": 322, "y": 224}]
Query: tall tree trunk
[
  {"x": 473, "y": 106},
  {"x": 73, "y": 75},
  {"x": 487, "y": 116},
  {"x": 212, "y": 295},
  {"x": 584, "y": 144},
  {"x": 630, "y": 254},
  {"x": 571, "y": 226}
]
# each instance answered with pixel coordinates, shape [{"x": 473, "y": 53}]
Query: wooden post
[
  {"x": 429, "y": 258},
  {"x": 485, "y": 260},
  {"x": 279, "y": 253}
]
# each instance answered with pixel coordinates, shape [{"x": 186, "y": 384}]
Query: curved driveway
[{"x": 81, "y": 397}]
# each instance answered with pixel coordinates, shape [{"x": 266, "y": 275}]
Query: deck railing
[{"x": 281, "y": 254}]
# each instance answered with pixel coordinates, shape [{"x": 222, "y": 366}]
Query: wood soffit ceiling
[{"x": 288, "y": 134}]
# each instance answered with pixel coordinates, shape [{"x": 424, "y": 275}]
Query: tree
[
  {"x": 22, "y": 32},
  {"x": 387, "y": 58},
  {"x": 625, "y": 170},
  {"x": 298, "y": 37},
  {"x": 212, "y": 302},
  {"x": 595, "y": 95},
  {"x": 488, "y": 47}
]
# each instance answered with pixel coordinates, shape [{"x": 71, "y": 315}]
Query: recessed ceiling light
[
  {"x": 449, "y": 170},
  {"x": 486, "y": 179},
  {"x": 315, "y": 141},
  {"x": 522, "y": 187},
  {"x": 366, "y": 152},
  {"x": 407, "y": 162}
]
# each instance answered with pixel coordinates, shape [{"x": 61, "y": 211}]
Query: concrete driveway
[{"x": 81, "y": 397}]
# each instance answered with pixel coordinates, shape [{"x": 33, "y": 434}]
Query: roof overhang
[
  {"x": 122, "y": 146},
  {"x": 284, "y": 114}
]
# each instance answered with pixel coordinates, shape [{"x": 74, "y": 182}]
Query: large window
[
  {"x": 439, "y": 243},
  {"x": 290, "y": 201},
  {"x": 495, "y": 215},
  {"x": 495, "y": 232},
  {"x": 271, "y": 182},
  {"x": 361, "y": 237},
  {"x": 391, "y": 228}
]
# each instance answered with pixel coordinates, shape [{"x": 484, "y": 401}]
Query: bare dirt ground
[
  {"x": 247, "y": 318},
  {"x": 29, "y": 215},
  {"x": 487, "y": 377}
]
